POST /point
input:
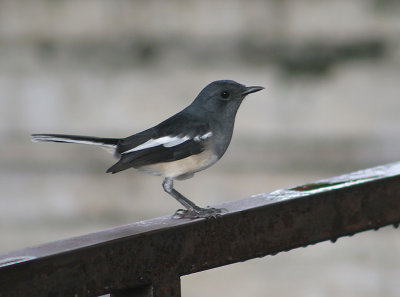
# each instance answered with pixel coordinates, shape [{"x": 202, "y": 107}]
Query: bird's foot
[{"x": 195, "y": 213}]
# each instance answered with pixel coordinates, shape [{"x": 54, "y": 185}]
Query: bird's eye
[{"x": 225, "y": 94}]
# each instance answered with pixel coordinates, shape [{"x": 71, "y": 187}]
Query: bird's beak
[{"x": 252, "y": 89}]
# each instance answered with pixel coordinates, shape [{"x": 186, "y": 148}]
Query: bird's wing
[{"x": 176, "y": 138}]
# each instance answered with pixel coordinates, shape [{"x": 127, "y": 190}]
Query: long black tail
[{"x": 105, "y": 142}]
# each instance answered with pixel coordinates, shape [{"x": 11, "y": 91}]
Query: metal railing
[{"x": 147, "y": 258}]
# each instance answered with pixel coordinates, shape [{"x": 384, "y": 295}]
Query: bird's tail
[{"x": 110, "y": 143}]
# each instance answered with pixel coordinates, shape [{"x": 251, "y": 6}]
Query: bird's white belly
[{"x": 180, "y": 167}]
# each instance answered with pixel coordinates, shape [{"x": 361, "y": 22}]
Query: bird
[{"x": 180, "y": 146}]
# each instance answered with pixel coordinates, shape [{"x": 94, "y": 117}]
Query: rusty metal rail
[{"x": 147, "y": 258}]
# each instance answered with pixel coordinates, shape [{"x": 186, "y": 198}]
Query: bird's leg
[{"x": 192, "y": 210}]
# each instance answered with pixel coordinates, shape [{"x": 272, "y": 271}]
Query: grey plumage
[{"x": 190, "y": 141}]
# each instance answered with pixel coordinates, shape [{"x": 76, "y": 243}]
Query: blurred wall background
[{"x": 111, "y": 68}]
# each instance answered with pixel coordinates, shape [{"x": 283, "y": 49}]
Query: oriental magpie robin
[{"x": 190, "y": 141}]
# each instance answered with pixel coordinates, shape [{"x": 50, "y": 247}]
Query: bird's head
[{"x": 223, "y": 96}]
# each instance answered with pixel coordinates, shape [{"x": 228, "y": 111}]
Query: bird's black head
[{"x": 223, "y": 96}]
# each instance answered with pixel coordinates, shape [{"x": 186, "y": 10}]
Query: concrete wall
[{"x": 111, "y": 68}]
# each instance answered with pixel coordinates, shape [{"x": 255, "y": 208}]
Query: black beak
[{"x": 252, "y": 89}]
